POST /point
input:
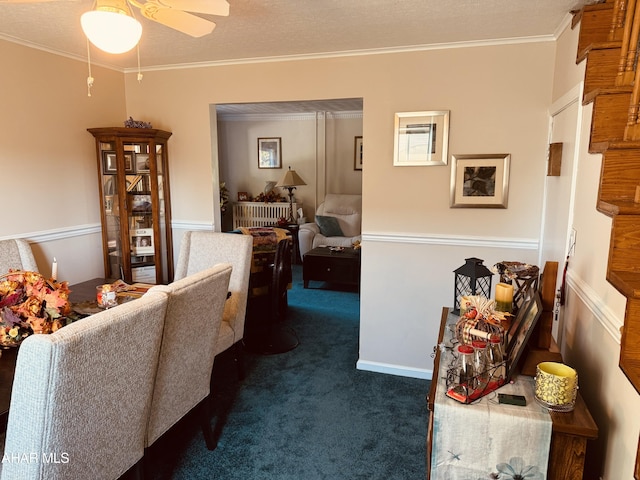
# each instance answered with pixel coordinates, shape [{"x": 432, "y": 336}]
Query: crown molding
[
  {"x": 350, "y": 53},
  {"x": 292, "y": 58}
]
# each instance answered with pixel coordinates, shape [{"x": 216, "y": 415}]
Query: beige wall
[
  {"x": 47, "y": 158},
  {"x": 498, "y": 97},
  {"x": 502, "y": 110}
]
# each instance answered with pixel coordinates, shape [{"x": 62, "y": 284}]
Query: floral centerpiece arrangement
[
  {"x": 269, "y": 197},
  {"x": 31, "y": 304}
]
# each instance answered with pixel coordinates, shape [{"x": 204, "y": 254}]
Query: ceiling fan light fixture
[{"x": 110, "y": 27}]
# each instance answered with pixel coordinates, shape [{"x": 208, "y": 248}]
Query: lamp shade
[
  {"x": 290, "y": 179},
  {"x": 110, "y": 27}
]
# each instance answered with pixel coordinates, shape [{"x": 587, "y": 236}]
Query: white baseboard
[{"x": 394, "y": 370}]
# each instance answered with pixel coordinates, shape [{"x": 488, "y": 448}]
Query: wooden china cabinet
[{"x": 135, "y": 206}]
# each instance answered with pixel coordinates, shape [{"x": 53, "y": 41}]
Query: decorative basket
[{"x": 470, "y": 329}]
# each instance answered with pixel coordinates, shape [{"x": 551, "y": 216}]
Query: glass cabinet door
[
  {"x": 112, "y": 208},
  {"x": 140, "y": 202},
  {"x": 164, "y": 220}
]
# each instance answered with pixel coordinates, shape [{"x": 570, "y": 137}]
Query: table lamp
[{"x": 290, "y": 181}]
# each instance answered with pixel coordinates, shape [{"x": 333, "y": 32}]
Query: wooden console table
[{"x": 570, "y": 431}]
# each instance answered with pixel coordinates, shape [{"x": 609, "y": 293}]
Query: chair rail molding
[
  {"x": 596, "y": 305},
  {"x": 453, "y": 240},
  {"x": 54, "y": 234},
  {"x": 58, "y": 233},
  {"x": 191, "y": 225}
]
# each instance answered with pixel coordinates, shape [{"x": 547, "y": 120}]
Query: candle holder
[
  {"x": 472, "y": 278},
  {"x": 524, "y": 278}
]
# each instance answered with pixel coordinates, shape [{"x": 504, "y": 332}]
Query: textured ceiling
[{"x": 265, "y": 29}]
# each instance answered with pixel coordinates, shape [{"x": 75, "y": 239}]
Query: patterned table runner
[{"x": 485, "y": 439}]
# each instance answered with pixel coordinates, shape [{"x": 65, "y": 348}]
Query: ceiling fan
[{"x": 170, "y": 13}]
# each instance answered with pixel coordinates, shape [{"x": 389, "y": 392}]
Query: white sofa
[{"x": 347, "y": 209}]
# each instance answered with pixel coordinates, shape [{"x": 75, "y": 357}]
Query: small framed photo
[
  {"x": 269, "y": 152},
  {"x": 141, "y": 204},
  {"x": 243, "y": 197},
  {"x": 129, "y": 165},
  {"x": 109, "y": 162},
  {"x": 142, "y": 241},
  {"x": 480, "y": 181},
  {"x": 142, "y": 163},
  {"x": 357, "y": 156},
  {"x": 421, "y": 138}
]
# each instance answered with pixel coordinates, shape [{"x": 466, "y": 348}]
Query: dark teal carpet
[{"x": 306, "y": 414}]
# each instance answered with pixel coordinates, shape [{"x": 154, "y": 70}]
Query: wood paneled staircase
[{"x": 608, "y": 43}]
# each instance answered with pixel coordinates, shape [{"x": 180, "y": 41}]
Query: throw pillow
[{"x": 329, "y": 226}]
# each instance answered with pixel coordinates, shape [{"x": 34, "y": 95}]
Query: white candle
[{"x": 54, "y": 269}]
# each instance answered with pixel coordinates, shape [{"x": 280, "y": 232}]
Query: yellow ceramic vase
[{"x": 556, "y": 386}]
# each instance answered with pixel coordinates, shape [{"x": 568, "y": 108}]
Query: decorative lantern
[{"x": 473, "y": 278}]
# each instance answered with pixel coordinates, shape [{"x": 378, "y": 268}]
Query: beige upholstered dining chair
[
  {"x": 204, "y": 249},
  {"x": 192, "y": 323},
  {"x": 16, "y": 254},
  {"x": 81, "y": 396}
]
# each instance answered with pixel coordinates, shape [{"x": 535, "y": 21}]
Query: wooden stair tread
[
  {"x": 595, "y": 26},
  {"x": 618, "y": 207},
  {"x": 590, "y": 8},
  {"x": 627, "y": 283},
  {"x": 625, "y": 144},
  {"x": 596, "y": 46},
  {"x": 603, "y": 45},
  {"x": 622, "y": 89}
]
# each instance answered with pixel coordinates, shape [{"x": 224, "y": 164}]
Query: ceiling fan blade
[
  {"x": 211, "y": 7},
  {"x": 178, "y": 20}
]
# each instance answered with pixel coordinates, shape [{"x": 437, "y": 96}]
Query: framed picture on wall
[
  {"x": 480, "y": 181},
  {"x": 421, "y": 138},
  {"x": 270, "y": 152},
  {"x": 357, "y": 156}
]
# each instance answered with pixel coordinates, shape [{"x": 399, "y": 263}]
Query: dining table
[{"x": 81, "y": 292}]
